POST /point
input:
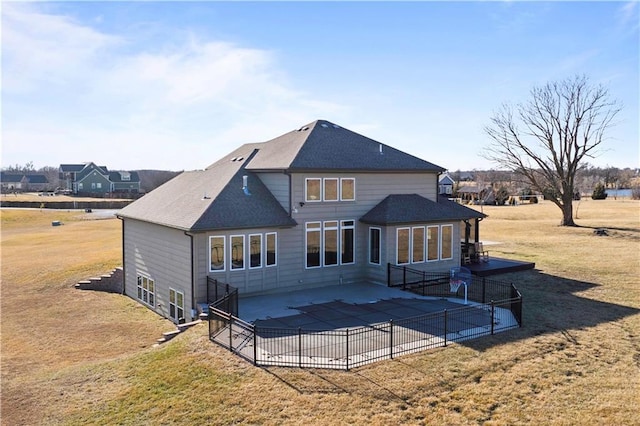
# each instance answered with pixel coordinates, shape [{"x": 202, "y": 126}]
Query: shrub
[
  {"x": 599, "y": 192},
  {"x": 502, "y": 195},
  {"x": 635, "y": 193}
]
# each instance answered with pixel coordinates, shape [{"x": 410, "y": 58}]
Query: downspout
[
  {"x": 193, "y": 281},
  {"x": 290, "y": 194}
]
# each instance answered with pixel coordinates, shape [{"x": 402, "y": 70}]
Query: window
[
  {"x": 347, "y": 242},
  {"x": 347, "y": 189},
  {"x": 255, "y": 251},
  {"x": 432, "y": 243},
  {"x": 93, "y": 185},
  {"x": 402, "y": 246},
  {"x": 99, "y": 185},
  {"x": 271, "y": 249},
  {"x": 313, "y": 189},
  {"x": 374, "y": 246},
  {"x": 237, "y": 252},
  {"x": 80, "y": 186},
  {"x": 330, "y": 189},
  {"x": 176, "y": 305},
  {"x": 331, "y": 243},
  {"x": 446, "y": 245},
  {"x": 417, "y": 244},
  {"x": 313, "y": 244},
  {"x": 323, "y": 239},
  {"x": 146, "y": 290},
  {"x": 217, "y": 249}
]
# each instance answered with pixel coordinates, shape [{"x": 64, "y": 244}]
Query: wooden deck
[{"x": 496, "y": 265}]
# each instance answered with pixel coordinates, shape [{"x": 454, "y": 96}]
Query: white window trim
[
  {"x": 398, "y": 245},
  {"x": 306, "y": 244},
  {"x": 441, "y": 240},
  {"x": 266, "y": 237},
  {"x": 176, "y": 317},
  {"x": 138, "y": 285},
  {"x": 354, "y": 189},
  {"x": 261, "y": 251},
  {"x": 224, "y": 253},
  {"x": 379, "y": 246},
  {"x": 341, "y": 242},
  {"x": 426, "y": 244},
  {"x": 306, "y": 194},
  {"x": 244, "y": 255},
  {"x": 336, "y": 230},
  {"x": 338, "y": 189},
  {"x": 424, "y": 251}
]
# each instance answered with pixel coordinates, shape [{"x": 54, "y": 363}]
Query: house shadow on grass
[{"x": 552, "y": 304}]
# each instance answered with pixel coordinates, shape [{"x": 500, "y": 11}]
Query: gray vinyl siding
[
  {"x": 278, "y": 185},
  {"x": 162, "y": 254}
]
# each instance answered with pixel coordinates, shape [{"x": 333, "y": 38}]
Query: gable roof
[
  {"x": 37, "y": 178},
  {"x": 445, "y": 179},
  {"x": 66, "y": 168},
  {"x": 412, "y": 208},
  {"x": 11, "y": 177},
  {"x": 322, "y": 145},
  {"x": 211, "y": 199},
  {"x": 116, "y": 177}
]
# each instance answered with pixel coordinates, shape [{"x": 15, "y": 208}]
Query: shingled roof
[
  {"x": 322, "y": 145},
  {"x": 412, "y": 208},
  {"x": 211, "y": 199},
  {"x": 214, "y": 199}
]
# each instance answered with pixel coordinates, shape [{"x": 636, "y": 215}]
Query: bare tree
[{"x": 546, "y": 139}]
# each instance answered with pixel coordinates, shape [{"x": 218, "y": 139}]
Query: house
[
  {"x": 11, "y": 181},
  {"x": 474, "y": 193},
  {"x": 89, "y": 178},
  {"x": 445, "y": 185},
  {"x": 317, "y": 206}
]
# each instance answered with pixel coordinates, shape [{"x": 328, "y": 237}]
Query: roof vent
[
  {"x": 325, "y": 125},
  {"x": 335, "y": 126},
  {"x": 234, "y": 159},
  {"x": 303, "y": 129},
  {"x": 239, "y": 158},
  {"x": 381, "y": 149},
  {"x": 245, "y": 186}
]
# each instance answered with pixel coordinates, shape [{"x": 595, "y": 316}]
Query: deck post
[
  {"x": 388, "y": 274},
  {"x": 391, "y": 338},
  {"x": 493, "y": 310},
  {"x": 347, "y": 347},
  {"x": 299, "y": 347},
  {"x": 445, "y": 326},
  {"x": 230, "y": 333},
  {"x": 255, "y": 346}
]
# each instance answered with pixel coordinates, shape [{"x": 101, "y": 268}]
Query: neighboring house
[
  {"x": 124, "y": 181},
  {"x": 92, "y": 179},
  {"x": 23, "y": 182},
  {"x": 474, "y": 193},
  {"x": 445, "y": 185},
  {"x": 317, "y": 206}
]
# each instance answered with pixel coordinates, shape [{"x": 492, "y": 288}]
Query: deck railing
[{"x": 352, "y": 347}]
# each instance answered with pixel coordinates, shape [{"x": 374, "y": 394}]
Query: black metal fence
[
  {"x": 222, "y": 296},
  {"x": 352, "y": 347},
  {"x": 480, "y": 290}
]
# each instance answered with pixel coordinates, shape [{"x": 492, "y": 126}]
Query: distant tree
[
  {"x": 547, "y": 138},
  {"x": 18, "y": 168},
  {"x": 502, "y": 195},
  {"x": 599, "y": 193}
]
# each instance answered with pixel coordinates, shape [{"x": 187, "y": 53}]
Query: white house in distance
[{"x": 318, "y": 206}]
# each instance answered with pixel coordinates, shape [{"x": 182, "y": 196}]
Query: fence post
[
  {"x": 404, "y": 277},
  {"x": 493, "y": 307},
  {"x": 299, "y": 347},
  {"x": 255, "y": 345},
  {"x": 445, "y": 327},
  {"x": 391, "y": 338},
  {"x": 484, "y": 289},
  {"x": 347, "y": 344}
]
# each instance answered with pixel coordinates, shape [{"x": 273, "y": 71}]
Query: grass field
[{"x": 79, "y": 357}]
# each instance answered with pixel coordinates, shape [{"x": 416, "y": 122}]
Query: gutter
[{"x": 124, "y": 270}]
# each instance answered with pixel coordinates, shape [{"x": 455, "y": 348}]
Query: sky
[{"x": 178, "y": 85}]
